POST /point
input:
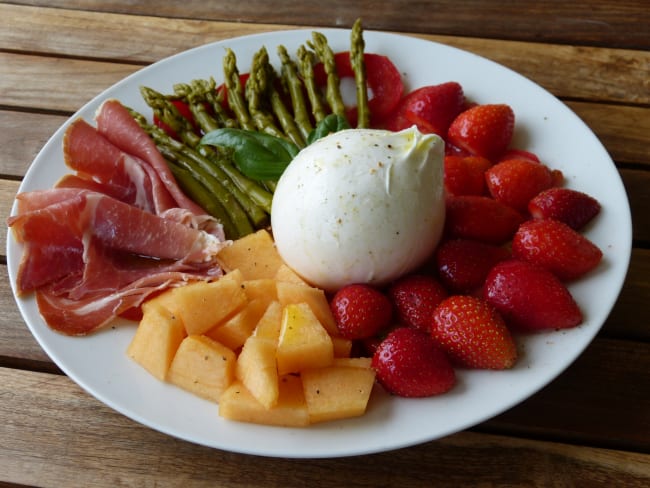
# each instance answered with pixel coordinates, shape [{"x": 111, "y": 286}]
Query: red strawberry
[
  {"x": 572, "y": 207},
  {"x": 473, "y": 334},
  {"x": 519, "y": 154},
  {"x": 530, "y": 298},
  {"x": 481, "y": 218},
  {"x": 466, "y": 175},
  {"x": 432, "y": 108},
  {"x": 410, "y": 364},
  {"x": 483, "y": 130},
  {"x": 516, "y": 181},
  {"x": 463, "y": 264},
  {"x": 360, "y": 311},
  {"x": 557, "y": 247},
  {"x": 415, "y": 297}
]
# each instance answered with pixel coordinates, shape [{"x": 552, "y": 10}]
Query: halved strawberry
[
  {"x": 572, "y": 207},
  {"x": 463, "y": 264},
  {"x": 480, "y": 218},
  {"x": 483, "y": 130},
  {"x": 432, "y": 108},
  {"x": 530, "y": 298},
  {"x": 473, "y": 334},
  {"x": 466, "y": 175},
  {"x": 360, "y": 311},
  {"x": 415, "y": 297},
  {"x": 410, "y": 364},
  {"x": 555, "y": 246},
  {"x": 516, "y": 181}
]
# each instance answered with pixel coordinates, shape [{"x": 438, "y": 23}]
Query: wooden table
[{"x": 590, "y": 427}]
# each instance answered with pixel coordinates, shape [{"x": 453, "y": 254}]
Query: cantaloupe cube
[
  {"x": 203, "y": 367},
  {"x": 201, "y": 305},
  {"x": 342, "y": 347},
  {"x": 360, "y": 362},
  {"x": 255, "y": 255},
  {"x": 304, "y": 343},
  {"x": 337, "y": 392},
  {"x": 233, "y": 332},
  {"x": 257, "y": 370},
  {"x": 285, "y": 273},
  {"x": 269, "y": 325},
  {"x": 261, "y": 289},
  {"x": 237, "y": 403},
  {"x": 156, "y": 339},
  {"x": 289, "y": 293}
]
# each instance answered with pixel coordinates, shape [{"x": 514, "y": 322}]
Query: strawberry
[
  {"x": 432, "y": 108},
  {"x": 572, "y": 207},
  {"x": 514, "y": 153},
  {"x": 480, "y": 218},
  {"x": 483, "y": 130},
  {"x": 516, "y": 181},
  {"x": 530, "y": 298},
  {"x": 463, "y": 264},
  {"x": 465, "y": 175},
  {"x": 415, "y": 297},
  {"x": 360, "y": 311},
  {"x": 473, "y": 334},
  {"x": 410, "y": 364},
  {"x": 555, "y": 246}
]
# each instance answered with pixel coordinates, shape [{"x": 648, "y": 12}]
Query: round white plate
[{"x": 544, "y": 125}]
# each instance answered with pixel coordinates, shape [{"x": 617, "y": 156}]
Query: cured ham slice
[
  {"x": 118, "y": 230},
  {"x": 90, "y": 257},
  {"x": 118, "y": 126},
  {"x": 121, "y": 175}
]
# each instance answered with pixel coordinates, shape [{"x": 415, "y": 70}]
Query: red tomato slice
[{"x": 383, "y": 80}]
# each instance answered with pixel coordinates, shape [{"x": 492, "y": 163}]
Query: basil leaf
[
  {"x": 331, "y": 123},
  {"x": 258, "y": 155}
]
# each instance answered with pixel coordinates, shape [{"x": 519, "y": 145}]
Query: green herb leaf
[
  {"x": 331, "y": 123},
  {"x": 257, "y": 155}
]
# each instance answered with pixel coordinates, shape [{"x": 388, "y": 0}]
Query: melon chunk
[
  {"x": 156, "y": 339},
  {"x": 237, "y": 403},
  {"x": 290, "y": 293},
  {"x": 234, "y": 332},
  {"x": 257, "y": 370},
  {"x": 201, "y": 305},
  {"x": 203, "y": 366},
  {"x": 337, "y": 392},
  {"x": 304, "y": 343},
  {"x": 254, "y": 255},
  {"x": 285, "y": 273},
  {"x": 269, "y": 325}
]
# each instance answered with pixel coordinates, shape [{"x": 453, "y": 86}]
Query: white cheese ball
[{"x": 360, "y": 206}]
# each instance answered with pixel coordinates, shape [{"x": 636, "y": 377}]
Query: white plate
[{"x": 544, "y": 125}]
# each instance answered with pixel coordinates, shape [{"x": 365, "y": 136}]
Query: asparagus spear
[
  {"x": 257, "y": 93},
  {"x": 207, "y": 88},
  {"x": 294, "y": 86},
  {"x": 306, "y": 67},
  {"x": 195, "y": 99},
  {"x": 333, "y": 92},
  {"x": 357, "y": 46},
  {"x": 167, "y": 112},
  {"x": 235, "y": 91}
]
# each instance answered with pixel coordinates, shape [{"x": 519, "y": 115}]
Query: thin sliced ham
[
  {"x": 117, "y": 124},
  {"x": 73, "y": 220},
  {"x": 116, "y": 231}
]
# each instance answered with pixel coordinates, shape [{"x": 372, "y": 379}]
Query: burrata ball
[{"x": 360, "y": 206}]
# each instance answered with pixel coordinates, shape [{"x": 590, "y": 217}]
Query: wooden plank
[
  {"x": 575, "y": 72},
  {"x": 83, "y": 443},
  {"x": 596, "y": 22},
  {"x": 637, "y": 183}
]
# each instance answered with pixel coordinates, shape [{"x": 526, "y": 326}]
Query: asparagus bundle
[{"x": 287, "y": 105}]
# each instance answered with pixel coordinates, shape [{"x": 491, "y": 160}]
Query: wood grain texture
[
  {"x": 68, "y": 423},
  {"x": 589, "y": 22},
  {"x": 613, "y": 75}
]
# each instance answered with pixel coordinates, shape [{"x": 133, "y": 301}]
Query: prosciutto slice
[
  {"x": 116, "y": 231},
  {"x": 118, "y": 126}
]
